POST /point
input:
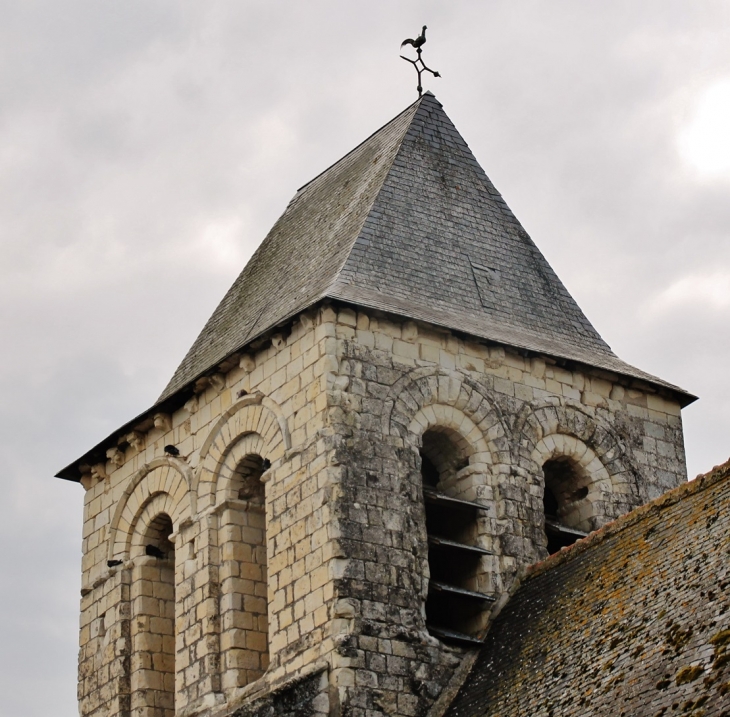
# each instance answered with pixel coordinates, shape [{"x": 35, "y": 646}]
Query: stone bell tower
[{"x": 396, "y": 405}]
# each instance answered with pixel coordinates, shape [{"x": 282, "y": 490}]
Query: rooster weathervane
[{"x": 418, "y": 43}]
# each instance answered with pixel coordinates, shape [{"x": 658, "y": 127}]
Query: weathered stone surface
[{"x": 302, "y": 698}]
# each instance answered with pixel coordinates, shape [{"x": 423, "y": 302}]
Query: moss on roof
[{"x": 633, "y": 620}]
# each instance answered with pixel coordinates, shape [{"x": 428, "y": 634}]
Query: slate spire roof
[{"x": 409, "y": 223}]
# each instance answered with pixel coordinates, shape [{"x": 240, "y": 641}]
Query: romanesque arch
[
  {"x": 156, "y": 502},
  {"x": 577, "y": 486},
  {"x": 255, "y": 424},
  {"x": 469, "y": 443},
  {"x": 243, "y": 448},
  {"x": 171, "y": 480},
  {"x": 610, "y": 462},
  {"x": 538, "y": 421},
  {"x": 153, "y": 609},
  {"x": 412, "y": 401},
  {"x": 456, "y": 432}
]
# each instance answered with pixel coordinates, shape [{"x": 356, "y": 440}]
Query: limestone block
[{"x": 409, "y": 331}]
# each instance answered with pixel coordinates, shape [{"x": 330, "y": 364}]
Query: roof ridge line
[
  {"x": 336, "y": 279},
  {"x": 345, "y": 156}
]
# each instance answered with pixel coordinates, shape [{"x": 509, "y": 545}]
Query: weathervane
[{"x": 418, "y": 43}]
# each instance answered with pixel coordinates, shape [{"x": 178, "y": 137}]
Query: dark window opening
[
  {"x": 249, "y": 473},
  {"x": 561, "y": 499},
  {"x": 453, "y": 606},
  {"x": 429, "y": 472},
  {"x": 550, "y": 504},
  {"x": 157, "y": 543},
  {"x": 444, "y": 457}
]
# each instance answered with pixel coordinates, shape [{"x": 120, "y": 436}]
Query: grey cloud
[{"x": 147, "y": 147}]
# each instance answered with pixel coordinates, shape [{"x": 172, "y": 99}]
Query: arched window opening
[
  {"x": 248, "y": 479},
  {"x": 157, "y": 540},
  {"x": 446, "y": 453},
  {"x": 245, "y": 617},
  {"x": 453, "y": 606},
  {"x": 564, "y": 503},
  {"x": 153, "y": 631}
]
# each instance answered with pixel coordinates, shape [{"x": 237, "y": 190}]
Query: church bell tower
[{"x": 395, "y": 406}]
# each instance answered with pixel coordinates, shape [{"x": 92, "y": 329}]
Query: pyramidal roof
[{"x": 408, "y": 223}]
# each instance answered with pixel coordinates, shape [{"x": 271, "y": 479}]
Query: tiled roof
[
  {"x": 633, "y": 620},
  {"x": 408, "y": 222}
]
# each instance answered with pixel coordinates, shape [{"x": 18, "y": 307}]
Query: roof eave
[
  {"x": 339, "y": 293},
  {"x": 171, "y": 403},
  {"x": 97, "y": 454},
  {"x": 168, "y": 404}
]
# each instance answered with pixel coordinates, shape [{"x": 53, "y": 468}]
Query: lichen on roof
[{"x": 633, "y": 620}]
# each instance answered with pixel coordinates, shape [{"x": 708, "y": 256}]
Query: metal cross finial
[{"x": 418, "y": 43}]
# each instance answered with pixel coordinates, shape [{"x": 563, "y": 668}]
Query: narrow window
[
  {"x": 153, "y": 631},
  {"x": 246, "y": 619},
  {"x": 454, "y": 606},
  {"x": 564, "y": 503}
]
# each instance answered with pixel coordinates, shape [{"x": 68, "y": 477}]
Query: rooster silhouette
[{"x": 418, "y": 42}]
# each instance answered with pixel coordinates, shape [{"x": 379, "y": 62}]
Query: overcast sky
[{"x": 146, "y": 147}]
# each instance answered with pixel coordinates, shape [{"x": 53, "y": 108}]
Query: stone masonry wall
[
  {"x": 339, "y": 405},
  {"x": 271, "y": 403},
  {"x": 507, "y": 414}
]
